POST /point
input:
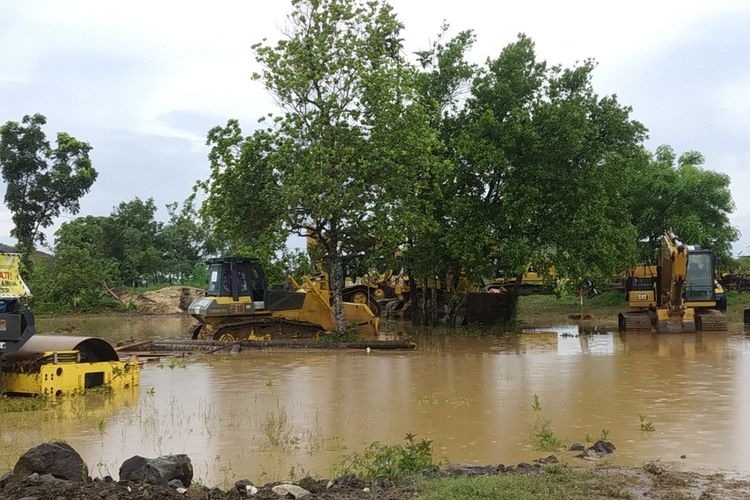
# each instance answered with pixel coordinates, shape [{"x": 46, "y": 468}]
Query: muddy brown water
[{"x": 267, "y": 415}]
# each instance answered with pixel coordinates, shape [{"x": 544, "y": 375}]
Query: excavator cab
[{"x": 699, "y": 286}]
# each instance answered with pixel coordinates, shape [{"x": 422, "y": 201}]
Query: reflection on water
[{"x": 271, "y": 414}]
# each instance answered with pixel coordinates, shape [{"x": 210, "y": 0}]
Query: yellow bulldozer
[
  {"x": 240, "y": 306},
  {"x": 679, "y": 295},
  {"x": 50, "y": 365}
]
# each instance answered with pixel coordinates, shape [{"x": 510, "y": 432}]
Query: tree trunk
[
  {"x": 517, "y": 285},
  {"x": 433, "y": 307},
  {"x": 337, "y": 288}
]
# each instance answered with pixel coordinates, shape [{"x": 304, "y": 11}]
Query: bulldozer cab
[{"x": 236, "y": 277}]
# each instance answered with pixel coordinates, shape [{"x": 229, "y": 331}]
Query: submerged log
[{"x": 155, "y": 347}]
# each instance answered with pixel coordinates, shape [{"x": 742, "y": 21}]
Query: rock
[
  {"x": 576, "y": 447},
  {"x": 133, "y": 469},
  {"x": 56, "y": 458},
  {"x": 49, "y": 478},
  {"x": 654, "y": 468},
  {"x": 470, "y": 470},
  {"x": 290, "y": 489},
  {"x": 311, "y": 485},
  {"x": 330, "y": 484},
  {"x": 548, "y": 460},
  {"x": 159, "y": 470},
  {"x": 215, "y": 493},
  {"x": 603, "y": 447},
  {"x": 246, "y": 487},
  {"x": 168, "y": 467},
  {"x": 5, "y": 478},
  {"x": 33, "y": 479},
  {"x": 681, "y": 456},
  {"x": 175, "y": 483}
]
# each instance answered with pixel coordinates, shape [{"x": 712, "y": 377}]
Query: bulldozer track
[{"x": 268, "y": 328}]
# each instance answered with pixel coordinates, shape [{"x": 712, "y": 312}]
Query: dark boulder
[
  {"x": 576, "y": 447},
  {"x": 160, "y": 470},
  {"x": 165, "y": 468},
  {"x": 603, "y": 447},
  {"x": 56, "y": 458},
  {"x": 133, "y": 469}
]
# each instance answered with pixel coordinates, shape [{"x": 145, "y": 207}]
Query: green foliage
[
  {"x": 544, "y": 436},
  {"x": 392, "y": 463},
  {"x": 667, "y": 192},
  {"x": 16, "y": 404},
  {"x": 339, "y": 164},
  {"x": 129, "y": 247},
  {"x": 646, "y": 425},
  {"x": 42, "y": 181},
  {"x": 72, "y": 281},
  {"x": 554, "y": 482},
  {"x": 184, "y": 241},
  {"x": 540, "y": 162}
]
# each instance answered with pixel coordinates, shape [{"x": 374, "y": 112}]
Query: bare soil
[{"x": 168, "y": 300}]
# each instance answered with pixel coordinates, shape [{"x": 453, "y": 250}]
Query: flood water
[{"x": 266, "y": 415}]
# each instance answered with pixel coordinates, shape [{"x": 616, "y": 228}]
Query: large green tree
[
  {"x": 338, "y": 164},
  {"x": 539, "y": 167},
  {"x": 133, "y": 240},
  {"x": 42, "y": 181},
  {"x": 678, "y": 193}
]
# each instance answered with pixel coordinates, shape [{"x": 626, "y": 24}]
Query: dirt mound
[{"x": 168, "y": 300}]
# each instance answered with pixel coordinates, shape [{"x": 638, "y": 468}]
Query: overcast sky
[{"x": 142, "y": 82}]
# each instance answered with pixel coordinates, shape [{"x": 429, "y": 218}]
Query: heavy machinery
[
  {"x": 681, "y": 296},
  {"x": 52, "y": 365},
  {"x": 240, "y": 306}
]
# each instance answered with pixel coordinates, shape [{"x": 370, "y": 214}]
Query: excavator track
[
  {"x": 634, "y": 322},
  {"x": 711, "y": 320},
  {"x": 268, "y": 328}
]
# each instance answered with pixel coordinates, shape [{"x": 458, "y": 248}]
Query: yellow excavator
[
  {"x": 240, "y": 306},
  {"x": 50, "y": 365},
  {"x": 680, "y": 297}
]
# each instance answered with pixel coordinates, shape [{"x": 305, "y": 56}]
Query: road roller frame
[{"x": 65, "y": 374}]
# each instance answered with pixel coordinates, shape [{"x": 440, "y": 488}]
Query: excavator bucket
[{"x": 670, "y": 321}]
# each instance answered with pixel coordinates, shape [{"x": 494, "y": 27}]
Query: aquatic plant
[
  {"x": 391, "y": 463},
  {"x": 646, "y": 425},
  {"x": 544, "y": 437}
]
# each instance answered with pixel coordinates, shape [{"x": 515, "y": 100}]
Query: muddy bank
[{"x": 55, "y": 471}]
